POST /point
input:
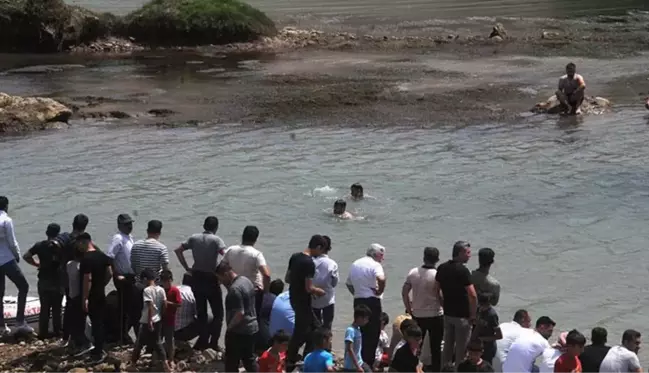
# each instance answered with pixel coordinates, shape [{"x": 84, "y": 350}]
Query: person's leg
[
  {"x": 123, "y": 299},
  {"x": 57, "y": 299},
  {"x": 215, "y": 299},
  {"x": 575, "y": 100},
  {"x": 2, "y": 295},
  {"x": 371, "y": 331},
  {"x": 463, "y": 330},
  {"x": 156, "y": 342},
  {"x": 198, "y": 288},
  {"x": 317, "y": 313},
  {"x": 259, "y": 299},
  {"x": 139, "y": 341},
  {"x": 232, "y": 352},
  {"x": 44, "y": 317},
  {"x": 563, "y": 100},
  {"x": 303, "y": 317},
  {"x": 313, "y": 325},
  {"x": 67, "y": 322},
  {"x": 449, "y": 340},
  {"x": 435, "y": 337},
  {"x": 248, "y": 357},
  {"x": 15, "y": 275},
  {"x": 168, "y": 334},
  {"x": 328, "y": 316},
  {"x": 96, "y": 310}
]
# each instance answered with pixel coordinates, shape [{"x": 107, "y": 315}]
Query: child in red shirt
[
  {"x": 273, "y": 359},
  {"x": 169, "y": 317},
  {"x": 569, "y": 362}
]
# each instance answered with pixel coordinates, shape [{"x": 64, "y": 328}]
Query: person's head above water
[
  {"x": 339, "y": 207},
  {"x": 571, "y": 69},
  {"x": 357, "y": 191}
]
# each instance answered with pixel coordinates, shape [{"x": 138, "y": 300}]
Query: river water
[{"x": 563, "y": 206}]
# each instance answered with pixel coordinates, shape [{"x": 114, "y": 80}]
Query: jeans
[
  {"x": 457, "y": 333},
  {"x": 15, "y": 275},
  {"x": 240, "y": 348},
  {"x": 206, "y": 290},
  {"x": 96, "y": 313},
  {"x": 435, "y": 327},
  {"x": 128, "y": 314},
  {"x": 50, "y": 299},
  {"x": 151, "y": 339},
  {"x": 305, "y": 324},
  {"x": 169, "y": 345},
  {"x": 325, "y": 315},
  {"x": 371, "y": 331}
]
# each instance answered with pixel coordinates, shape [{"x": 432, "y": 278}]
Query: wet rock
[
  {"x": 103, "y": 114},
  {"x": 43, "y": 69},
  {"x": 497, "y": 38},
  {"x": 105, "y": 367},
  {"x": 161, "y": 112},
  {"x": 78, "y": 370},
  {"x": 592, "y": 105},
  {"x": 21, "y": 114},
  {"x": 498, "y": 30},
  {"x": 108, "y": 45},
  {"x": 550, "y": 35}
]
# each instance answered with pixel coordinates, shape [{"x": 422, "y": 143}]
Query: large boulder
[
  {"x": 23, "y": 114},
  {"x": 591, "y": 105},
  {"x": 197, "y": 22}
]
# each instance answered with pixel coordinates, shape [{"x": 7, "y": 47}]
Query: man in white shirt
[
  {"x": 123, "y": 277},
  {"x": 326, "y": 278},
  {"x": 550, "y": 355},
  {"x": 529, "y": 346},
  {"x": 9, "y": 258},
  {"x": 366, "y": 282},
  {"x": 624, "y": 358},
  {"x": 247, "y": 261},
  {"x": 423, "y": 304},
  {"x": 511, "y": 331}
]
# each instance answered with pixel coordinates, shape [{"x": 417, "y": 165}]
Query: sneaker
[
  {"x": 23, "y": 328},
  {"x": 97, "y": 359},
  {"x": 83, "y": 350}
]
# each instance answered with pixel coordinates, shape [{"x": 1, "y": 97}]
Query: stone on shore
[
  {"x": 591, "y": 105},
  {"x": 24, "y": 114},
  {"x": 498, "y": 31},
  {"x": 197, "y": 22}
]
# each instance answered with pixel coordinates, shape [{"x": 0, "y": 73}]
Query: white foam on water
[{"x": 324, "y": 191}]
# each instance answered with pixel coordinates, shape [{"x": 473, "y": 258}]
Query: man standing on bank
[
  {"x": 206, "y": 248},
  {"x": 119, "y": 251},
  {"x": 484, "y": 282},
  {"x": 366, "y": 282},
  {"x": 241, "y": 320},
  {"x": 459, "y": 300}
]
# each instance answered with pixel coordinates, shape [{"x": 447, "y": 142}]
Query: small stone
[
  {"x": 77, "y": 370},
  {"x": 22, "y": 343},
  {"x": 549, "y": 35},
  {"x": 498, "y": 30},
  {"x": 39, "y": 343},
  {"x": 497, "y": 38},
  {"x": 181, "y": 366}
]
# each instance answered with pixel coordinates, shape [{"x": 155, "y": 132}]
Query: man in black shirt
[
  {"x": 299, "y": 276},
  {"x": 595, "y": 353},
  {"x": 48, "y": 253},
  {"x": 95, "y": 267},
  {"x": 458, "y": 297},
  {"x": 474, "y": 361}
]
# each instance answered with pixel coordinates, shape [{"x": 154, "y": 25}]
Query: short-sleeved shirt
[
  {"x": 154, "y": 295},
  {"x": 173, "y": 296},
  {"x": 95, "y": 263},
  {"x": 548, "y": 359},
  {"x": 206, "y": 248},
  {"x": 354, "y": 336},
  {"x": 453, "y": 278},
  {"x": 363, "y": 275},
  {"x": 468, "y": 366},
  {"x": 592, "y": 357},
  {"x": 49, "y": 260},
  {"x": 241, "y": 298},
  {"x": 326, "y": 278},
  {"x": 301, "y": 267},
  {"x": 486, "y": 325},
  {"x": 486, "y": 283},
  {"x": 74, "y": 278},
  {"x": 318, "y": 361},
  {"x": 120, "y": 251},
  {"x": 524, "y": 351},
  {"x": 186, "y": 314},
  {"x": 282, "y": 315},
  {"x": 567, "y": 363},
  {"x": 245, "y": 261},
  {"x": 569, "y": 86},
  {"x": 425, "y": 302},
  {"x": 268, "y": 362},
  {"x": 149, "y": 253},
  {"x": 619, "y": 359},
  {"x": 404, "y": 360}
]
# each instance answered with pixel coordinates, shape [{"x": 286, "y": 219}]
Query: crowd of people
[{"x": 450, "y": 307}]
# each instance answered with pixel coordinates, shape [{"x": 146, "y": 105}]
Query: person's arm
[
  {"x": 560, "y": 85},
  {"x": 330, "y": 363},
  {"x": 238, "y": 310},
  {"x": 335, "y": 278},
  {"x": 87, "y": 277},
  {"x": 405, "y": 295},
  {"x": 180, "y": 254},
  {"x": 264, "y": 270},
  {"x": 634, "y": 364},
  {"x": 11, "y": 239},
  {"x": 174, "y": 300},
  {"x": 109, "y": 273},
  {"x": 380, "y": 281},
  {"x": 473, "y": 296},
  {"x": 495, "y": 296},
  {"x": 114, "y": 248},
  {"x": 582, "y": 83},
  {"x": 164, "y": 259},
  {"x": 312, "y": 289},
  {"x": 29, "y": 257},
  {"x": 349, "y": 348},
  {"x": 349, "y": 285}
]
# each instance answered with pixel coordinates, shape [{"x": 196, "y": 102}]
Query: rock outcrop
[
  {"x": 24, "y": 114},
  {"x": 591, "y": 105}
]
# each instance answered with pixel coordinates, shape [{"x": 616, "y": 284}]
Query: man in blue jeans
[{"x": 9, "y": 258}]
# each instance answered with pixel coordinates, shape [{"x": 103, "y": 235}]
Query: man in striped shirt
[{"x": 150, "y": 253}]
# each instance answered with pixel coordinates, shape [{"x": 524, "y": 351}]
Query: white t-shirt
[
  {"x": 155, "y": 295},
  {"x": 620, "y": 359},
  {"x": 511, "y": 331},
  {"x": 524, "y": 352},
  {"x": 362, "y": 276},
  {"x": 245, "y": 261},
  {"x": 549, "y": 357},
  {"x": 424, "y": 299}
]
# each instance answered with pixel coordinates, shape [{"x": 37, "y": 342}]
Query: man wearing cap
[
  {"x": 484, "y": 282},
  {"x": 454, "y": 287},
  {"x": 529, "y": 346},
  {"x": 119, "y": 250},
  {"x": 366, "y": 282}
]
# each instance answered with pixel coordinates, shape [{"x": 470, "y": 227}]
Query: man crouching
[{"x": 571, "y": 90}]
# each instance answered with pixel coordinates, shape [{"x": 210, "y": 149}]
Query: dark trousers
[
  {"x": 240, "y": 348},
  {"x": 259, "y": 299},
  {"x": 150, "y": 338},
  {"x": 96, "y": 314},
  {"x": 76, "y": 321},
  {"x": 305, "y": 324},
  {"x": 15, "y": 275},
  {"x": 207, "y": 290},
  {"x": 372, "y": 331},
  {"x": 325, "y": 316},
  {"x": 50, "y": 299},
  {"x": 128, "y": 313},
  {"x": 435, "y": 327}
]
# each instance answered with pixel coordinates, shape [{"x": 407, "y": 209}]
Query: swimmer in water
[
  {"x": 357, "y": 191},
  {"x": 339, "y": 210}
]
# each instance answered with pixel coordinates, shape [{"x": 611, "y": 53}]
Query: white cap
[{"x": 375, "y": 249}]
